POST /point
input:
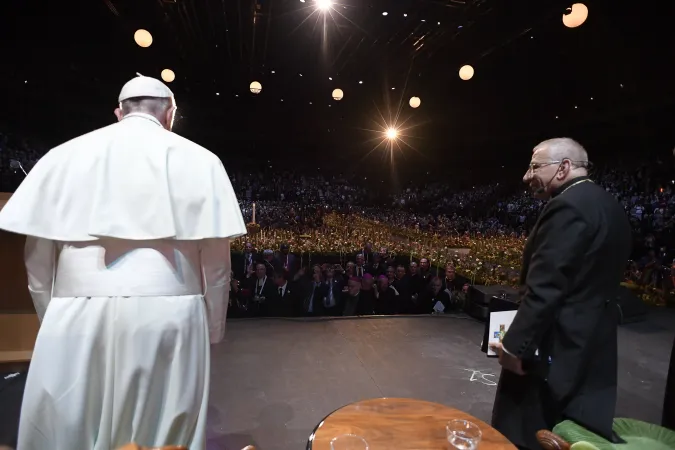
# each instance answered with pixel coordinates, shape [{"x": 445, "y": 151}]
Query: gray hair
[
  {"x": 565, "y": 148},
  {"x": 150, "y": 105}
]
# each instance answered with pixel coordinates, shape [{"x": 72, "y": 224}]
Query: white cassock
[{"x": 128, "y": 261}]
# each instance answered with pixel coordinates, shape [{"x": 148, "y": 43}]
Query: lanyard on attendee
[{"x": 261, "y": 285}]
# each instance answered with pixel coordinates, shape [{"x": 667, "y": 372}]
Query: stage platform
[{"x": 273, "y": 380}]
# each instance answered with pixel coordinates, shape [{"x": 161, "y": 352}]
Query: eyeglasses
[{"x": 532, "y": 167}]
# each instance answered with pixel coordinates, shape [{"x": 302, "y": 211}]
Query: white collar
[{"x": 141, "y": 115}]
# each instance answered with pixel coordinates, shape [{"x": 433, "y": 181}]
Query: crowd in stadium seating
[{"x": 299, "y": 203}]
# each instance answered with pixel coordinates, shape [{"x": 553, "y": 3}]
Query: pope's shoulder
[{"x": 159, "y": 136}]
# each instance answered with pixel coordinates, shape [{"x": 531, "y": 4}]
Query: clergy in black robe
[{"x": 573, "y": 263}]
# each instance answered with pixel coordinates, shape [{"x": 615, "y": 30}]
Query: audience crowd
[{"x": 479, "y": 232}]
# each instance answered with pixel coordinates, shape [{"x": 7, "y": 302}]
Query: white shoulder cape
[{"x": 131, "y": 180}]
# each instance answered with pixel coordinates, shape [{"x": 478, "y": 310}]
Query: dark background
[{"x": 607, "y": 83}]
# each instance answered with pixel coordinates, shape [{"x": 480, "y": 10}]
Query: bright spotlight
[
  {"x": 324, "y": 5},
  {"x": 392, "y": 133}
]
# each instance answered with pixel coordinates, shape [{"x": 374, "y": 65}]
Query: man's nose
[{"x": 527, "y": 177}]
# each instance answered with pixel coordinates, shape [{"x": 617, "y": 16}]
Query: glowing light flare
[
  {"x": 337, "y": 94},
  {"x": 143, "y": 38},
  {"x": 576, "y": 15},
  {"x": 415, "y": 102},
  {"x": 392, "y": 134},
  {"x": 324, "y": 5}
]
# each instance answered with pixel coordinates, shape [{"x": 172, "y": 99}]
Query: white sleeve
[
  {"x": 216, "y": 267},
  {"x": 39, "y": 255}
]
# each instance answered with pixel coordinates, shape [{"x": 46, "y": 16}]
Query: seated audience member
[{"x": 435, "y": 300}]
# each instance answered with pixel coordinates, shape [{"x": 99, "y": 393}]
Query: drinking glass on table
[
  {"x": 463, "y": 435},
  {"x": 348, "y": 442}
]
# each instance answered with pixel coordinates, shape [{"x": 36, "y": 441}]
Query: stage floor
[{"x": 273, "y": 380}]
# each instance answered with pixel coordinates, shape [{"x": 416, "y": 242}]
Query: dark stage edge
[{"x": 273, "y": 380}]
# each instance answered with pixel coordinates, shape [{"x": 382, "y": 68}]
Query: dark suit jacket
[
  {"x": 239, "y": 264},
  {"x": 267, "y": 291},
  {"x": 573, "y": 263},
  {"x": 286, "y": 305},
  {"x": 289, "y": 262},
  {"x": 337, "y": 297},
  {"x": 366, "y": 268}
]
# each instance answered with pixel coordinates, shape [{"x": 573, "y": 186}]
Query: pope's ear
[{"x": 118, "y": 114}]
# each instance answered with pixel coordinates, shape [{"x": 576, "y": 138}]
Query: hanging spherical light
[
  {"x": 338, "y": 94},
  {"x": 168, "y": 75},
  {"x": 466, "y": 72},
  {"x": 255, "y": 87},
  {"x": 577, "y": 15},
  {"x": 415, "y": 102},
  {"x": 143, "y": 38}
]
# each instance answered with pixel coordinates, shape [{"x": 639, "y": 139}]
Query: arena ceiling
[{"x": 66, "y": 62}]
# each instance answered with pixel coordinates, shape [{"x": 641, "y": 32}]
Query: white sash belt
[{"x": 128, "y": 269}]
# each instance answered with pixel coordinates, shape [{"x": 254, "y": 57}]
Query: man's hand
[{"x": 507, "y": 361}]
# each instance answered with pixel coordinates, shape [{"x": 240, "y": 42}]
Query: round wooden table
[{"x": 399, "y": 424}]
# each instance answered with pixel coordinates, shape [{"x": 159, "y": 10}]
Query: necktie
[{"x": 281, "y": 292}]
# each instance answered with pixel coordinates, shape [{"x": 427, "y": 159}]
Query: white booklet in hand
[{"x": 499, "y": 325}]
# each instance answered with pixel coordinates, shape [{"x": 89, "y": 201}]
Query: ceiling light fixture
[
  {"x": 255, "y": 87},
  {"x": 466, "y": 72},
  {"x": 168, "y": 75},
  {"x": 324, "y": 5},
  {"x": 575, "y": 15},
  {"x": 143, "y": 38}
]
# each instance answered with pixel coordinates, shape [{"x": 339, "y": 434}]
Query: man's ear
[{"x": 118, "y": 114}]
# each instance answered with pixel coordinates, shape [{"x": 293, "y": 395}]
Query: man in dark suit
[
  {"x": 260, "y": 289},
  {"x": 559, "y": 356},
  {"x": 288, "y": 260},
  {"x": 361, "y": 267},
  {"x": 331, "y": 294},
  {"x": 286, "y": 298}
]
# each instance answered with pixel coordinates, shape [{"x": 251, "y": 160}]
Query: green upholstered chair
[{"x": 637, "y": 434}]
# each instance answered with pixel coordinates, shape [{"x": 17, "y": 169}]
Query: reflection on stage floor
[{"x": 273, "y": 380}]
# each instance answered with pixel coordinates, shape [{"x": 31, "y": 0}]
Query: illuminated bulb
[
  {"x": 255, "y": 87},
  {"x": 415, "y": 102},
  {"x": 576, "y": 17},
  {"x": 143, "y": 38},
  {"x": 324, "y": 5},
  {"x": 337, "y": 94},
  {"x": 168, "y": 75},
  {"x": 466, "y": 72},
  {"x": 392, "y": 133}
]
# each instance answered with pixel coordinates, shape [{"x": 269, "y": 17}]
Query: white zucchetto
[{"x": 144, "y": 87}]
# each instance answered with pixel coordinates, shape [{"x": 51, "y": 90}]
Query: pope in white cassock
[{"x": 128, "y": 262}]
